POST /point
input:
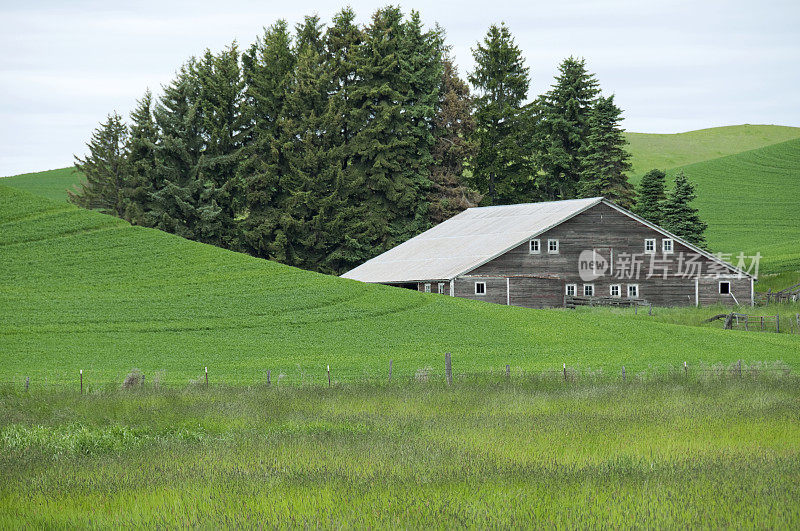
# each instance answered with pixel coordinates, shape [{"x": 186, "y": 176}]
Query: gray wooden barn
[{"x": 555, "y": 254}]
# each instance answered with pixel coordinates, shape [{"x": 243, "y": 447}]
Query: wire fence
[{"x": 445, "y": 374}]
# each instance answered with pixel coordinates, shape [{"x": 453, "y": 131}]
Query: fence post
[
  {"x": 269, "y": 377},
  {"x": 448, "y": 370},
  {"x": 329, "y": 375},
  {"x": 81, "y": 381},
  {"x": 27, "y": 382},
  {"x": 650, "y": 309},
  {"x": 142, "y": 381},
  {"x": 745, "y": 323},
  {"x": 390, "y": 370},
  {"x": 762, "y": 323},
  {"x": 565, "y": 372},
  {"x": 206, "y": 369},
  {"x": 740, "y": 368},
  {"x": 685, "y": 369},
  {"x": 623, "y": 373},
  {"x": 508, "y": 371},
  {"x": 635, "y": 308},
  {"x": 797, "y": 320},
  {"x": 778, "y": 324}
]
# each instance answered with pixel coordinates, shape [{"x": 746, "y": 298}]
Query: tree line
[{"x": 321, "y": 147}]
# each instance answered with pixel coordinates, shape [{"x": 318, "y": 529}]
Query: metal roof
[{"x": 466, "y": 241}]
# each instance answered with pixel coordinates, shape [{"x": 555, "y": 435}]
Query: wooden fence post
[
  {"x": 685, "y": 369},
  {"x": 27, "y": 382},
  {"x": 740, "y": 368},
  {"x": 762, "y": 323},
  {"x": 390, "y": 370},
  {"x": 623, "y": 373},
  {"x": 508, "y": 371},
  {"x": 650, "y": 309},
  {"x": 329, "y": 375},
  {"x": 142, "y": 381},
  {"x": 81, "y": 381},
  {"x": 269, "y": 377},
  {"x": 745, "y": 323},
  {"x": 206, "y": 369},
  {"x": 448, "y": 370},
  {"x": 778, "y": 324},
  {"x": 797, "y": 320},
  {"x": 565, "y": 372}
]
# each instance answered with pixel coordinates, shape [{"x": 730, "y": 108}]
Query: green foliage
[
  {"x": 678, "y": 453},
  {"x": 500, "y": 168},
  {"x": 651, "y": 197},
  {"x": 81, "y": 290},
  {"x": 563, "y": 128},
  {"x": 680, "y": 216},
  {"x": 141, "y": 159},
  {"x": 105, "y": 169},
  {"x": 604, "y": 159}
]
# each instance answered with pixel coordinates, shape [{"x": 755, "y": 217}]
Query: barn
[{"x": 557, "y": 253}]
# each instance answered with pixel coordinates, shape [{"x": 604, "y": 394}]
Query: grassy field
[
  {"x": 712, "y": 452},
  {"x": 81, "y": 290},
  {"x": 52, "y": 184},
  {"x": 670, "y": 151}
]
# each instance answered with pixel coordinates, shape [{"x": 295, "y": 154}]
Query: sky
[{"x": 673, "y": 65}]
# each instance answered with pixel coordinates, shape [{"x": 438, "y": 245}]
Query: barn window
[
  {"x": 480, "y": 288},
  {"x": 552, "y": 246},
  {"x": 666, "y": 245},
  {"x": 441, "y": 287},
  {"x": 572, "y": 290},
  {"x": 633, "y": 291},
  {"x": 615, "y": 290},
  {"x": 535, "y": 247},
  {"x": 724, "y": 288},
  {"x": 427, "y": 287},
  {"x": 650, "y": 245},
  {"x": 588, "y": 290}
]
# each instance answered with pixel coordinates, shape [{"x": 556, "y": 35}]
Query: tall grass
[{"x": 664, "y": 453}]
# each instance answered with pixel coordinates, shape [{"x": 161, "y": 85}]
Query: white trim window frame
[
  {"x": 571, "y": 288},
  {"x": 427, "y": 287},
  {"x": 649, "y": 246},
  {"x": 441, "y": 288},
  {"x": 667, "y": 249},
  {"x": 633, "y": 291},
  {"x": 480, "y": 288},
  {"x": 615, "y": 288},
  {"x": 728, "y": 284},
  {"x": 534, "y": 246},
  {"x": 552, "y": 246},
  {"x": 588, "y": 290}
]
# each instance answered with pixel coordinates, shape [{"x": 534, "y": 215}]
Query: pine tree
[
  {"x": 651, "y": 197},
  {"x": 221, "y": 89},
  {"x": 140, "y": 154},
  {"x": 680, "y": 217},
  {"x": 562, "y": 129},
  {"x": 267, "y": 67},
  {"x": 105, "y": 169},
  {"x": 177, "y": 196},
  {"x": 501, "y": 169},
  {"x": 453, "y": 129},
  {"x": 604, "y": 159}
]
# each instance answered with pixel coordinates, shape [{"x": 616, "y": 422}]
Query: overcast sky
[{"x": 674, "y": 65}]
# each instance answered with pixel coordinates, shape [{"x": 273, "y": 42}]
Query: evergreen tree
[
  {"x": 453, "y": 129},
  {"x": 604, "y": 159},
  {"x": 177, "y": 196},
  {"x": 651, "y": 197},
  {"x": 140, "y": 153},
  {"x": 680, "y": 217},
  {"x": 267, "y": 66},
  {"x": 221, "y": 89},
  {"x": 104, "y": 168},
  {"x": 562, "y": 129},
  {"x": 500, "y": 168}
]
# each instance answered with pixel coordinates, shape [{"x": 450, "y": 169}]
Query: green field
[
  {"x": 672, "y": 150},
  {"x": 52, "y": 184},
  {"x": 81, "y": 290},
  {"x": 714, "y": 452}
]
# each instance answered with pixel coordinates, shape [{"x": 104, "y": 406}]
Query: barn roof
[
  {"x": 466, "y": 241},
  {"x": 478, "y": 235}
]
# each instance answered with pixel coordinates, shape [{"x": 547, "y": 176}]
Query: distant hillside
[
  {"x": 751, "y": 202},
  {"x": 81, "y": 290},
  {"x": 669, "y": 151},
  {"x": 52, "y": 184}
]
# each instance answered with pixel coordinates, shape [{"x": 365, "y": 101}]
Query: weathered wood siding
[
  {"x": 660, "y": 277},
  {"x": 536, "y": 292},
  {"x": 495, "y": 289},
  {"x": 708, "y": 289}
]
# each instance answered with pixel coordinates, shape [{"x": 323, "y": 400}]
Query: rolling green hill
[
  {"x": 52, "y": 184},
  {"x": 669, "y": 151},
  {"x": 81, "y": 290}
]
